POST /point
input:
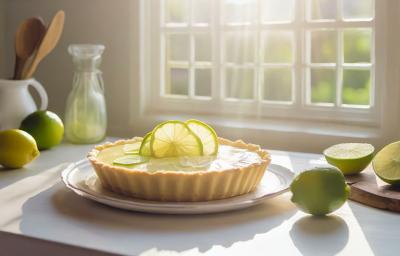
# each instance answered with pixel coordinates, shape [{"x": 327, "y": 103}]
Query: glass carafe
[{"x": 85, "y": 115}]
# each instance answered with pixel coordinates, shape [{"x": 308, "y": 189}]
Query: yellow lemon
[{"x": 17, "y": 148}]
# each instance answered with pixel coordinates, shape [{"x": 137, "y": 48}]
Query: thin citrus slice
[
  {"x": 350, "y": 158},
  {"x": 386, "y": 163},
  {"x": 173, "y": 139},
  {"x": 145, "y": 145},
  {"x": 130, "y": 160},
  {"x": 206, "y": 134},
  {"x": 132, "y": 148}
]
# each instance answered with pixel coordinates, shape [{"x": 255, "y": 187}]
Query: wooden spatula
[
  {"x": 47, "y": 44},
  {"x": 27, "y": 38}
]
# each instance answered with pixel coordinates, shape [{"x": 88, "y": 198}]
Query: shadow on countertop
[
  {"x": 320, "y": 235},
  {"x": 78, "y": 221}
]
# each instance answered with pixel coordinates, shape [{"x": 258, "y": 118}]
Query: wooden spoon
[
  {"x": 48, "y": 43},
  {"x": 27, "y": 38}
]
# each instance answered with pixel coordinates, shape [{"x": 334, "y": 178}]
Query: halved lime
[
  {"x": 174, "y": 138},
  {"x": 386, "y": 163},
  {"x": 132, "y": 148},
  {"x": 145, "y": 145},
  {"x": 350, "y": 158},
  {"x": 207, "y": 136},
  {"x": 130, "y": 160}
]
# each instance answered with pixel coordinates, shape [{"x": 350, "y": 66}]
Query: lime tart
[{"x": 180, "y": 161}]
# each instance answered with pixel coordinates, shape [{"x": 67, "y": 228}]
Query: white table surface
[{"x": 34, "y": 203}]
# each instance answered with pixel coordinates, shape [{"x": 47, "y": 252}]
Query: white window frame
[{"x": 298, "y": 110}]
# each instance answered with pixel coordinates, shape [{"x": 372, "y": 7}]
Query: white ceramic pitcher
[{"x": 16, "y": 102}]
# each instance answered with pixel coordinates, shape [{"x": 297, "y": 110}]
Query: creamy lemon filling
[{"x": 228, "y": 157}]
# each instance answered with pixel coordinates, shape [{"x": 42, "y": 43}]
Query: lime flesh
[
  {"x": 386, "y": 163},
  {"x": 207, "y": 136},
  {"x": 145, "y": 146},
  {"x": 174, "y": 138},
  {"x": 130, "y": 160},
  {"x": 319, "y": 191},
  {"x": 350, "y": 158}
]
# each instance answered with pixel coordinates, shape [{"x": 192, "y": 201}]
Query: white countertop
[{"x": 35, "y": 203}]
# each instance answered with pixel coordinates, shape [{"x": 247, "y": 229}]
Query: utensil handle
[
  {"x": 42, "y": 94},
  {"x": 28, "y": 72},
  {"x": 17, "y": 68}
]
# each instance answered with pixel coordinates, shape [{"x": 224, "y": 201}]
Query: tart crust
[{"x": 181, "y": 186}]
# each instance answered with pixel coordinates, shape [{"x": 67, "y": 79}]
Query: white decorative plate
[{"x": 81, "y": 178}]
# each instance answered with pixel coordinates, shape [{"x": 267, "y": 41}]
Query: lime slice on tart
[
  {"x": 132, "y": 148},
  {"x": 207, "y": 136},
  {"x": 145, "y": 145},
  {"x": 386, "y": 163},
  {"x": 350, "y": 158},
  {"x": 130, "y": 160},
  {"x": 173, "y": 139}
]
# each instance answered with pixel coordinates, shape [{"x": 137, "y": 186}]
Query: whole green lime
[
  {"x": 46, "y": 127},
  {"x": 319, "y": 191},
  {"x": 17, "y": 148}
]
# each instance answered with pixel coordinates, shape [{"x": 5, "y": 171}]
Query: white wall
[
  {"x": 89, "y": 21},
  {"x": 2, "y": 38},
  {"x": 116, "y": 25}
]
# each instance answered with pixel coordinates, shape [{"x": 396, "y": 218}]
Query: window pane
[
  {"x": 201, "y": 12},
  {"x": 203, "y": 47},
  {"x": 323, "y": 85},
  {"x": 278, "y": 47},
  {"x": 323, "y": 46},
  {"x": 178, "y": 47},
  {"x": 357, "y": 45},
  {"x": 203, "y": 82},
  {"x": 176, "y": 11},
  {"x": 239, "y": 47},
  {"x": 322, "y": 9},
  {"x": 356, "y": 86},
  {"x": 358, "y": 9},
  {"x": 277, "y": 84},
  {"x": 277, "y": 11},
  {"x": 239, "y": 11},
  {"x": 178, "y": 81},
  {"x": 239, "y": 83}
]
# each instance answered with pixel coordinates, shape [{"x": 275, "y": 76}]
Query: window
[{"x": 306, "y": 59}]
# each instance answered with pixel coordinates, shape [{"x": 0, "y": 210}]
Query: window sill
[{"x": 302, "y": 136}]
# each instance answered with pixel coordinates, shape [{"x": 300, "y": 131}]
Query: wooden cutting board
[{"x": 368, "y": 189}]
